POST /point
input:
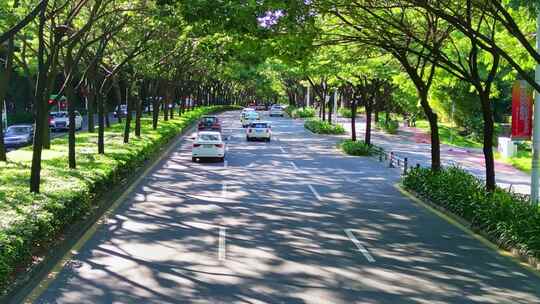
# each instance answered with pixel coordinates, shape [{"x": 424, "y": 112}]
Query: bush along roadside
[
  {"x": 323, "y": 127},
  {"x": 307, "y": 112},
  {"x": 29, "y": 222},
  {"x": 506, "y": 218},
  {"x": 357, "y": 148},
  {"x": 390, "y": 126}
]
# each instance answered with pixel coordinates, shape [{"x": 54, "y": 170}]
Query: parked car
[
  {"x": 259, "y": 130},
  {"x": 120, "y": 111},
  {"x": 249, "y": 117},
  {"x": 208, "y": 145},
  {"x": 18, "y": 136},
  {"x": 60, "y": 120},
  {"x": 276, "y": 110},
  {"x": 209, "y": 123}
]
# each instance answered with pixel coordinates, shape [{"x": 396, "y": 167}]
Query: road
[{"x": 291, "y": 221}]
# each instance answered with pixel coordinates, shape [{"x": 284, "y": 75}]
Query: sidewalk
[{"x": 414, "y": 144}]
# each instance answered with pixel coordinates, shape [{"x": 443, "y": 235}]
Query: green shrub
[
  {"x": 345, "y": 112},
  {"x": 390, "y": 127},
  {"x": 357, "y": 148},
  {"x": 29, "y": 221},
  {"x": 508, "y": 218},
  {"x": 323, "y": 127},
  {"x": 294, "y": 112}
]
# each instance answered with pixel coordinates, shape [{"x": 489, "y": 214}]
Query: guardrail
[{"x": 394, "y": 160}]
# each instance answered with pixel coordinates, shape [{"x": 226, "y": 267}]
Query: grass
[
  {"x": 522, "y": 161},
  {"x": 29, "y": 221},
  {"x": 450, "y": 135}
]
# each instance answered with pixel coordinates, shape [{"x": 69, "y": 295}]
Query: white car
[
  {"x": 245, "y": 110},
  {"x": 208, "y": 145},
  {"x": 259, "y": 130},
  {"x": 249, "y": 117},
  {"x": 60, "y": 120},
  {"x": 276, "y": 110},
  {"x": 18, "y": 136}
]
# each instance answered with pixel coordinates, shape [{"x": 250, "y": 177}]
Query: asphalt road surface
[{"x": 291, "y": 221}]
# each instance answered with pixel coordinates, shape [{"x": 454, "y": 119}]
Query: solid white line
[
  {"x": 221, "y": 251},
  {"x": 359, "y": 245},
  {"x": 294, "y": 165},
  {"x": 319, "y": 198}
]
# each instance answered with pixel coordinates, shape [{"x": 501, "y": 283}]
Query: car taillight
[
  {"x": 196, "y": 145},
  {"x": 219, "y": 145}
]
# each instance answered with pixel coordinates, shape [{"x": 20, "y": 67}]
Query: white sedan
[
  {"x": 259, "y": 130},
  {"x": 208, "y": 145}
]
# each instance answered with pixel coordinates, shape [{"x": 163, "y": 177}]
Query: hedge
[
  {"x": 357, "y": 148},
  {"x": 323, "y": 127},
  {"x": 505, "y": 217},
  {"x": 306, "y": 112},
  {"x": 30, "y": 221}
]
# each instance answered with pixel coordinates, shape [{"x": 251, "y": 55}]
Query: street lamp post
[{"x": 535, "y": 176}]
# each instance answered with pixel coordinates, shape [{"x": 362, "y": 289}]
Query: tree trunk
[
  {"x": 353, "y": 120},
  {"x": 35, "y": 172},
  {"x": 70, "y": 92},
  {"x": 142, "y": 97},
  {"x": 5, "y": 78},
  {"x": 434, "y": 128},
  {"x": 487, "y": 114},
  {"x": 127, "y": 127},
  {"x": 330, "y": 108},
  {"x": 367, "y": 138},
  {"x": 101, "y": 122}
]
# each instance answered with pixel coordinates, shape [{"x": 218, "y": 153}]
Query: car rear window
[
  {"x": 259, "y": 125},
  {"x": 209, "y": 120},
  {"x": 209, "y": 137}
]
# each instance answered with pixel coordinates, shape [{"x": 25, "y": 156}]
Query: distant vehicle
[
  {"x": 261, "y": 107},
  {"x": 120, "y": 111},
  {"x": 259, "y": 130},
  {"x": 208, "y": 145},
  {"x": 245, "y": 110},
  {"x": 18, "y": 136},
  {"x": 276, "y": 110},
  {"x": 209, "y": 123},
  {"x": 249, "y": 117},
  {"x": 60, "y": 120}
]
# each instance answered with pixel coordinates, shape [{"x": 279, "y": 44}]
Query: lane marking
[
  {"x": 282, "y": 150},
  {"x": 361, "y": 248},
  {"x": 319, "y": 198},
  {"x": 225, "y": 164},
  {"x": 224, "y": 189},
  {"x": 294, "y": 165},
  {"x": 222, "y": 254}
]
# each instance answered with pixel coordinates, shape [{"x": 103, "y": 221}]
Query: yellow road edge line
[
  {"x": 448, "y": 218},
  {"x": 59, "y": 266}
]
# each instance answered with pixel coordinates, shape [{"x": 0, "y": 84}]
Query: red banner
[{"x": 522, "y": 101}]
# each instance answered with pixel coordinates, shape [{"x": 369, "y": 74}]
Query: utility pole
[
  {"x": 307, "y": 95},
  {"x": 536, "y": 126}
]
